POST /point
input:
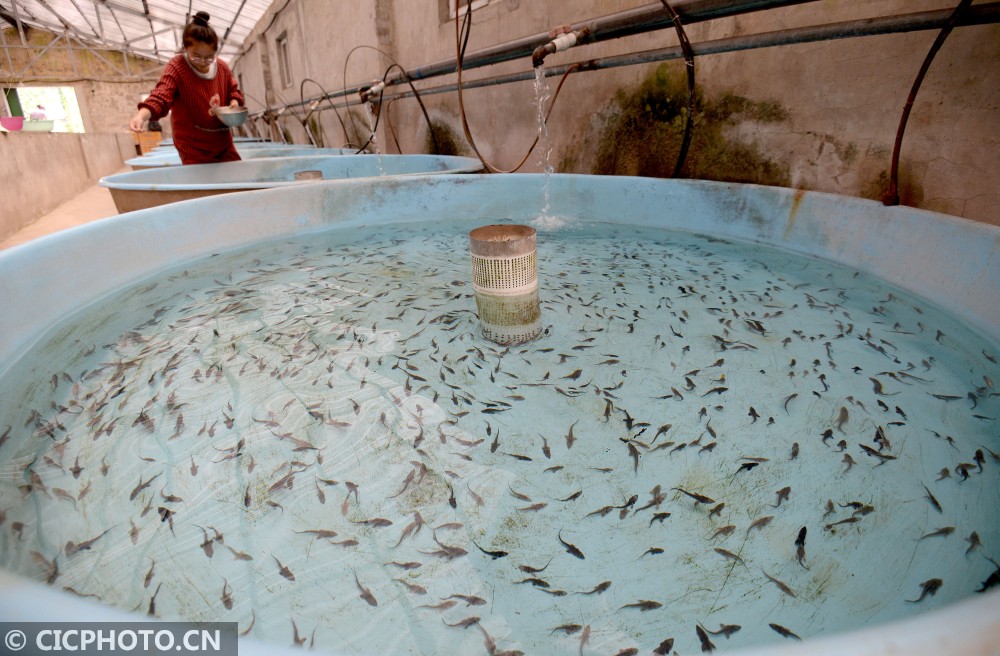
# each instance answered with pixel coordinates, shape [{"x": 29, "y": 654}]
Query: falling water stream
[
  {"x": 372, "y": 124},
  {"x": 544, "y": 146}
]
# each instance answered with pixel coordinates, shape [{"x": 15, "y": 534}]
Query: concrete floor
[{"x": 90, "y": 205}]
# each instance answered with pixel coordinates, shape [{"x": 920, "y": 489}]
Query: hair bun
[{"x": 201, "y": 18}]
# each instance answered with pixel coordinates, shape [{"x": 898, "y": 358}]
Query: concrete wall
[
  {"x": 40, "y": 171},
  {"x": 837, "y": 103}
]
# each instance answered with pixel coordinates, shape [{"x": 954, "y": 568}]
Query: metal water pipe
[
  {"x": 929, "y": 20},
  {"x": 563, "y": 38},
  {"x": 648, "y": 18},
  {"x": 613, "y": 26}
]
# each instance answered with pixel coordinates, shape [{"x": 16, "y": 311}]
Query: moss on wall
[
  {"x": 643, "y": 129},
  {"x": 445, "y": 141}
]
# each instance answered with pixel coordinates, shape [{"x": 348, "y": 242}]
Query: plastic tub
[
  {"x": 143, "y": 189},
  {"x": 167, "y": 158},
  {"x": 936, "y": 262},
  {"x": 38, "y": 126},
  {"x": 12, "y": 123}
]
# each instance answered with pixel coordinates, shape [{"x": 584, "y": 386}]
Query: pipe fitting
[
  {"x": 375, "y": 89},
  {"x": 564, "y": 40}
]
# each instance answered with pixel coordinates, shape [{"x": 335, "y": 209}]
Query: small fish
[
  {"x": 659, "y": 517},
  {"x": 73, "y": 547},
  {"x": 141, "y": 486},
  {"x": 842, "y": 418},
  {"x": 406, "y": 566},
  {"x": 875, "y": 454},
  {"x": 729, "y": 554},
  {"x": 528, "y": 569},
  {"x": 783, "y": 495},
  {"x": 570, "y": 438},
  {"x": 781, "y": 585},
  {"x": 227, "y": 597},
  {"x": 795, "y": 451},
  {"x": 947, "y": 530},
  {"x": 725, "y": 531},
  {"x": 320, "y": 533},
  {"x": 760, "y": 523},
  {"x": 149, "y": 575},
  {"x": 412, "y": 587},
  {"x": 470, "y": 600},
  {"x": 584, "y": 638},
  {"x": 992, "y": 580},
  {"x": 378, "y": 522},
  {"x": 699, "y": 498},
  {"x": 934, "y": 502},
  {"x": 598, "y": 589},
  {"x": 800, "y": 546},
  {"x": 464, "y": 624},
  {"x": 928, "y": 587},
  {"x": 973, "y": 541},
  {"x": 284, "y": 571},
  {"x": 444, "y": 605},
  {"x": 664, "y": 648},
  {"x": 568, "y": 629},
  {"x": 366, "y": 594},
  {"x": 643, "y": 605},
  {"x": 239, "y": 555},
  {"x": 783, "y": 632},
  {"x": 706, "y": 644},
  {"x": 571, "y": 549},
  {"x": 152, "y": 602},
  {"x": 725, "y": 630},
  {"x": 492, "y": 554}
]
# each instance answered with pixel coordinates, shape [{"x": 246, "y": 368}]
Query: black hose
[
  {"x": 460, "y": 51},
  {"x": 689, "y": 62},
  {"x": 326, "y": 96},
  {"x": 892, "y": 194},
  {"x": 430, "y": 126}
]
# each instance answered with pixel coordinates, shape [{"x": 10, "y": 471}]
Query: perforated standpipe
[{"x": 505, "y": 281}]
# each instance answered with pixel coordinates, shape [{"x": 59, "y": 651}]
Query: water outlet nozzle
[
  {"x": 563, "y": 39},
  {"x": 372, "y": 91}
]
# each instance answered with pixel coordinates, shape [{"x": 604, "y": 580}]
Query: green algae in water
[{"x": 327, "y": 406}]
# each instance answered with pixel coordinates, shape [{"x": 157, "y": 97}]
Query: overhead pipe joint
[
  {"x": 563, "y": 38},
  {"x": 372, "y": 91}
]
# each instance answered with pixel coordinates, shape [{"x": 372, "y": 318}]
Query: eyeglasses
[{"x": 201, "y": 60}]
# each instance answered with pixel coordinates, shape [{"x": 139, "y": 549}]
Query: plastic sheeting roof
[{"x": 147, "y": 28}]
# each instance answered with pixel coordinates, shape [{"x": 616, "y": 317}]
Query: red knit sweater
[{"x": 198, "y": 137}]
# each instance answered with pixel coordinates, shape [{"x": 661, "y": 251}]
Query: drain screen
[{"x": 505, "y": 280}]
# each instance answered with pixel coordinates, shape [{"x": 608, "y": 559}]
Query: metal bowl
[{"x": 232, "y": 116}]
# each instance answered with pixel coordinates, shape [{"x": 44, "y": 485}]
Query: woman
[{"x": 193, "y": 85}]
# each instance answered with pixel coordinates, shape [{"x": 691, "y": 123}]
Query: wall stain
[
  {"x": 643, "y": 128},
  {"x": 793, "y": 212}
]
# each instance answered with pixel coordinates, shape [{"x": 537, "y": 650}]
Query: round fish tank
[
  {"x": 143, "y": 189},
  {"x": 160, "y": 160},
  {"x": 236, "y": 140},
  {"x": 756, "y": 420},
  {"x": 241, "y": 146}
]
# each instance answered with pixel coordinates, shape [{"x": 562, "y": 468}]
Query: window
[
  {"x": 463, "y": 6},
  {"x": 57, "y": 105},
  {"x": 284, "y": 60}
]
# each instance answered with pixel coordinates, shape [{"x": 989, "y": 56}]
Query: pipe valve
[
  {"x": 563, "y": 38},
  {"x": 375, "y": 89}
]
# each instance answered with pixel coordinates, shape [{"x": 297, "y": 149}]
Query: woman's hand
[
  {"x": 138, "y": 122},
  {"x": 213, "y": 104}
]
